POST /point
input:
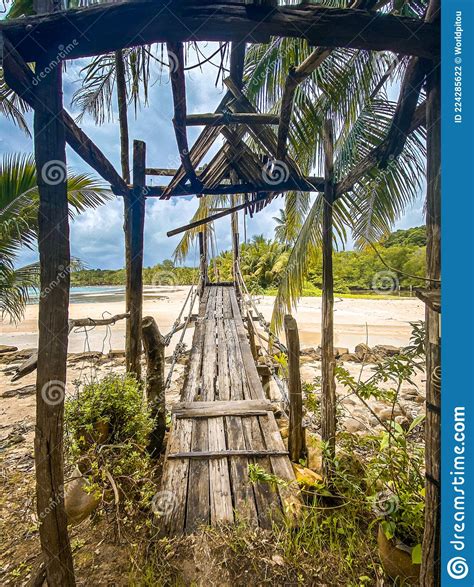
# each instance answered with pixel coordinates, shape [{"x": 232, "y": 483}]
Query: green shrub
[{"x": 113, "y": 459}]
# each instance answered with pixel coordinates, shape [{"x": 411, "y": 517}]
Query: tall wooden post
[
  {"x": 134, "y": 229},
  {"x": 53, "y": 246},
  {"x": 296, "y": 444},
  {"x": 328, "y": 383},
  {"x": 122, "y": 112},
  {"x": 430, "y": 568}
]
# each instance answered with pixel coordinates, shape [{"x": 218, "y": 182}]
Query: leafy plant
[{"x": 108, "y": 425}]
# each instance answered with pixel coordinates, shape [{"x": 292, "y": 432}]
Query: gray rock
[
  {"x": 386, "y": 350},
  {"x": 352, "y": 425},
  {"x": 4, "y": 348}
]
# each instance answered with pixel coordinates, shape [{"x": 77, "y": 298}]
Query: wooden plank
[
  {"x": 242, "y": 491},
  {"x": 218, "y": 119},
  {"x": 203, "y": 409},
  {"x": 193, "y": 378},
  {"x": 175, "y": 479},
  {"x": 209, "y": 366},
  {"x": 235, "y": 374},
  {"x": 219, "y": 481},
  {"x": 223, "y": 379},
  {"x": 198, "y": 500},
  {"x": 117, "y": 26},
  {"x": 218, "y": 454},
  {"x": 256, "y": 389},
  {"x": 266, "y": 496},
  {"x": 282, "y": 468}
]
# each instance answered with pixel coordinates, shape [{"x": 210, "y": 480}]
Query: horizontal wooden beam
[
  {"x": 19, "y": 78},
  {"x": 222, "y": 454},
  {"x": 225, "y": 119},
  {"x": 303, "y": 184},
  {"x": 105, "y": 28}
]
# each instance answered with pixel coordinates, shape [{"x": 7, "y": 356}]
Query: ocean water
[{"x": 106, "y": 293}]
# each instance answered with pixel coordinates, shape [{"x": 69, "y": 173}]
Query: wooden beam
[
  {"x": 134, "y": 209},
  {"x": 225, "y": 119},
  {"x": 104, "y": 29},
  {"x": 178, "y": 84},
  {"x": 328, "y": 362},
  {"x": 296, "y": 440},
  {"x": 20, "y": 79},
  {"x": 54, "y": 252},
  {"x": 303, "y": 184}
]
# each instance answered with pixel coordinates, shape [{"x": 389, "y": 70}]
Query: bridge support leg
[
  {"x": 296, "y": 437},
  {"x": 134, "y": 203}
]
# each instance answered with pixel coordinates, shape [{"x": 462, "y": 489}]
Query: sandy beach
[{"x": 356, "y": 320}]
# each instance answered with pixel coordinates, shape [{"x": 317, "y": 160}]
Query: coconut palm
[{"x": 19, "y": 200}]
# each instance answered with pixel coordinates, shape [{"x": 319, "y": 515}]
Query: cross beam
[{"x": 106, "y": 28}]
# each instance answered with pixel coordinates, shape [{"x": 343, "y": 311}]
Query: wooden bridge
[{"x": 223, "y": 424}]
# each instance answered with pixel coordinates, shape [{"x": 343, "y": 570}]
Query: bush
[{"x": 108, "y": 425}]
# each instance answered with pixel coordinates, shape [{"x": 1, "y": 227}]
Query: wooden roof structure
[{"x": 240, "y": 166}]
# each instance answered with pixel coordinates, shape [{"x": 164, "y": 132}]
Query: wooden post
[
  {"x": 265, "y": 375},
  {"x": 122, "y": 111},
  {"x": 154, "y": 344},
  {"x": 328, "y": 383},
  {"x": 53, "y": 246},
  {"x": 134, "y": 227},
  {"x": 203, "y": 257},
  {"x": 296, "y": 444},
  {"x": 251, "y": 331},
  {"x": 430, "y": 568}
]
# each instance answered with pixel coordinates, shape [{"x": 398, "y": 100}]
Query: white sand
[{"x": 372, "y": 321}]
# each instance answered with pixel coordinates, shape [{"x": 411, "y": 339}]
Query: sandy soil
[{"x": 372, "y": 321}]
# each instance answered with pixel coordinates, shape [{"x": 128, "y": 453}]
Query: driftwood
[
  {"x": 30, "y": 364},
  {"x": 154, "y": 344}
]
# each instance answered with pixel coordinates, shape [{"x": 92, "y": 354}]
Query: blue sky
[{"x": 97, "y": 236}]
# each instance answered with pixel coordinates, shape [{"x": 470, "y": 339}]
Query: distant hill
[{"x": 411, "y": 237}]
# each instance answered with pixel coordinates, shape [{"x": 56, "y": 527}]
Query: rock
[
  {"x": 115, "y": 353},
  {"x": 284, "y": 432},
  {"x": 4, "y": 348},
  {"x": 311, "y": 352},
  {"x": 385, "y": 350},
  {"x": 339, "y": 350},
  {"x": 21, "y": 391},
  {"x": 306, "y": 477},
  {"x": 19, "y": 355},
  {"x": 403, "y": 421},
  {"x": 352, "y": 357},
  {"x": 352, "y": 425},
  {"x": 364, "y": 353},
  {"x": 315, "y": 458},
  {"x": 388, "y": 414},
  {"x": 78, "y": 503}
]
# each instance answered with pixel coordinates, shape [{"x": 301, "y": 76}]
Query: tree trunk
[
  {"x": 328, "y": 384},
  {"x": 154, "y": 345},
  {"x": 122, "y": 113},
  {"x": 430, "y": 568},
  {"x": 134, "y": 230},
  {"x": 53, "y": 245}
]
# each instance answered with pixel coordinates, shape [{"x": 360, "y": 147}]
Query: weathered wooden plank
[
  {"x": 242, "y": 490},
  {"x": 281, "y": 467},
  {"x": 266, "y": 496},
  {"x": 218, "y": 454},
  {"x": 171, "y": 501},
  {"x": 296, "y": 438},
  {"x": 198, "y": 500},
  {"x": 219, "y": 481},
  {"x": 221, "y": 408},
  {"x": 116, "y": 26},
  {"x": 209, "y": 366}
]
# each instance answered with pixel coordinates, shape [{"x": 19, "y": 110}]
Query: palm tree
[{"x": 19, "y": 201}]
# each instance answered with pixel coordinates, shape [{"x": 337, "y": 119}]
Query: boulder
[
  {"x": 385, "y": 350},
  {"x": 311, "y": 353},
  {"x": 363, "y": 351},
  {"x": 86, "y": 356},
  {"x": 339, "y": 351},
  {"x": 78, "y": 502}
]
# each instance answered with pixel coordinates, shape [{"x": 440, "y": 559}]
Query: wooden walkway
[{"x": 223, "y": 411}]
